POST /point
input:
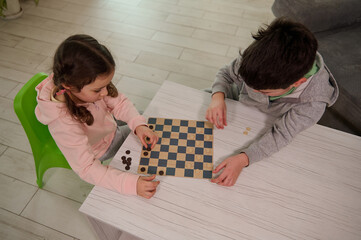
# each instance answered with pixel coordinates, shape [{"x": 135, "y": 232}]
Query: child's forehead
[{"x": 101, "y": 81}]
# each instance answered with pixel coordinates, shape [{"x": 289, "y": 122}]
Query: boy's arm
[
  {"x": 285, "y": 129},
  {"x": 225, "y": 77}
]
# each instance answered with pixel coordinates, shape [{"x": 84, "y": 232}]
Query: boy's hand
[
  {"x": 144, "y": 132},
  {"x": 146, "y": 187},
  {"x": 217, "y": 111},
  {"x": 232, "y": 168}
]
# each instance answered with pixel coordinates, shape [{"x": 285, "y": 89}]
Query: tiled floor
[{"x": 184, "y": 41}]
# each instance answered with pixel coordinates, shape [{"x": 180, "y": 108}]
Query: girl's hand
[
  {"x": 146, "y": 187},
  {"x": 143, "y": 133},
  {"x": 217, "y": 111},
  {"x": 232, "y": 168}
]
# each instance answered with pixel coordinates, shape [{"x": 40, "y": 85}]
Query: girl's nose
[{"x": 104, "y": 92}]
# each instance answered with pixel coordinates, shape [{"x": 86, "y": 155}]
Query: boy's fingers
[
  {"x": 219, "y": 167},
  {"x": 225, "y": 117}
]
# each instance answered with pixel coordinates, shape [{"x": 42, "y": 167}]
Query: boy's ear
[{"x": 299, "y": 82}]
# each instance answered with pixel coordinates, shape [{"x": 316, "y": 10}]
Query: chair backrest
[{"x": 24, "y": 106}]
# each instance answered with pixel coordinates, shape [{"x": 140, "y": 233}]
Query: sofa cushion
[
  {"x": 341, "y": 51},
  {"x": 320, "y": 15}
]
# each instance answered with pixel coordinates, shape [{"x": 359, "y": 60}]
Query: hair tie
[{"x": 61, "y": 92}]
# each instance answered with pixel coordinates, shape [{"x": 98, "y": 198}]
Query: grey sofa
[{"x": 337, "y": 27}]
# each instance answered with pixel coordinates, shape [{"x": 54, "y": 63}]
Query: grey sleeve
[
  {"x": 285, "y": 129},
  {"x": 225, "y": 77}
]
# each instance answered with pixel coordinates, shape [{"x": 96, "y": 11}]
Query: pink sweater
[{"x": 81, "y": 144}]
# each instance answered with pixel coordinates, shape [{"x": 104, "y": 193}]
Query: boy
[{"x": 282, "y": 74}]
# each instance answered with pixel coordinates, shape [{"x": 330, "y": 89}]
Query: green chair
[{"x": 46, "y": 152}]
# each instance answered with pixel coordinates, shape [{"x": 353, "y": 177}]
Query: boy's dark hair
[
  {"x": 280, "y": 55},
  {"x": 78, "y": 61}
]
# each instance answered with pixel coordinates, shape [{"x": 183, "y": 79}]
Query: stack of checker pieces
[{"x": 184, "y": 149}]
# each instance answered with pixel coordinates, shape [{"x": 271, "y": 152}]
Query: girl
[{"x": 79, "y": 104}]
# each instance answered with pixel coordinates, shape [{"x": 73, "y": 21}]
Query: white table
[{"x": 309, "y": 190}]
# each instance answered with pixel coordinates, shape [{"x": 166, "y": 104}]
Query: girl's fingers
[{"x": 149, "y": 178}]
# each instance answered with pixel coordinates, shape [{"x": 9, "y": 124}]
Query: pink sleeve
[
  {"x": 73, "y": 143},
  {"x": 123, "y": 109}
]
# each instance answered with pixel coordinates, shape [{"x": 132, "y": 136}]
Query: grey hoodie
[{"x": 296, "y": 112}]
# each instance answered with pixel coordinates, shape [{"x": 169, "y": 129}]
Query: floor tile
[
  {"x": 62, "y": 16},
  {"x": 59, "y": 213},
  {"x": 204, "y": 58},
  {"x": 190, "y": 81},
  {"x": 159, "y": 25},
  {"x": 13, "y": 135},
  {"x": 15, "y": 194},
  {"x": 176, "y": 65},
  {"x": 126, "y": 8},
  {"x": 14, "y": 227},
  {"x": 171, "y": 8},
  {"x": 7, "y": 110},
  {"x": 145, "y": 45},
  {"x": 120, "y": 28},
  {"x": 19, "y": 165},
  {"x": 9, "y": 40},
  {"x": 202, "y": 24},
  {"x": 141, "y": 71},
  {"x": 128, "y": 85},
  {"x": 66, "y": 183},
  {"x": 6, "y": 86},
  {"x": 192, "y": 43}
]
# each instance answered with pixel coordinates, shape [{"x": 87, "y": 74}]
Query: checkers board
[{"x": 184, "y": 149}]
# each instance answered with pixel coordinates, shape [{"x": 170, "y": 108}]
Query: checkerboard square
[
  {"x": 208, "y": 131},
  {"x": 152, "y": 170},
  {"x": 152, "y": 120},
  {"x": 166, "y": 135},
  {"x": 154, "y": 154},
  {"x": 167, "y": 121},
  {"x": 198, "y": 151},
  {"x": 182, "y": 135},
  {"x": 191, "y": 143},
  {"x": 189, "y": 157},
  {"x": 199, "y": 137},
  {"x": 184, "y": 123},
  {"x": 144, "y": 161},
  {"x": 192, "y": 130},
  {"x": 164, "y": 148},
  {"x": 207, "y": 158},
  {"x": 173, "y": 142},
  {"x": 170, "y": 172},
  {"x": 172, "y": 156},
  {"x": 175, "y": 128},
  {"x": 207, "y": 174},
  {"x": 182, "y": 149},
  {"x": 158, "y": 127},
  {"x": 180, "y": 164},
  {"x": 198, "y": 165},
  {"x": 200, "y": 124},
  {"x": 188, "y": 172},
  {"x": 208, "y": 144},
  {"x": 162, "y": 163}
]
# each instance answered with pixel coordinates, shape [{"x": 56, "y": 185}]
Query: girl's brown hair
[{"x": 78, "y": 61}]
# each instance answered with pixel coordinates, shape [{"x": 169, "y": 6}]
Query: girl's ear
[{"x": 65, "y": 86}]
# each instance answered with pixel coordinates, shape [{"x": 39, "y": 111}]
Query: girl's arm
[{"x": 73, "y": 143}]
